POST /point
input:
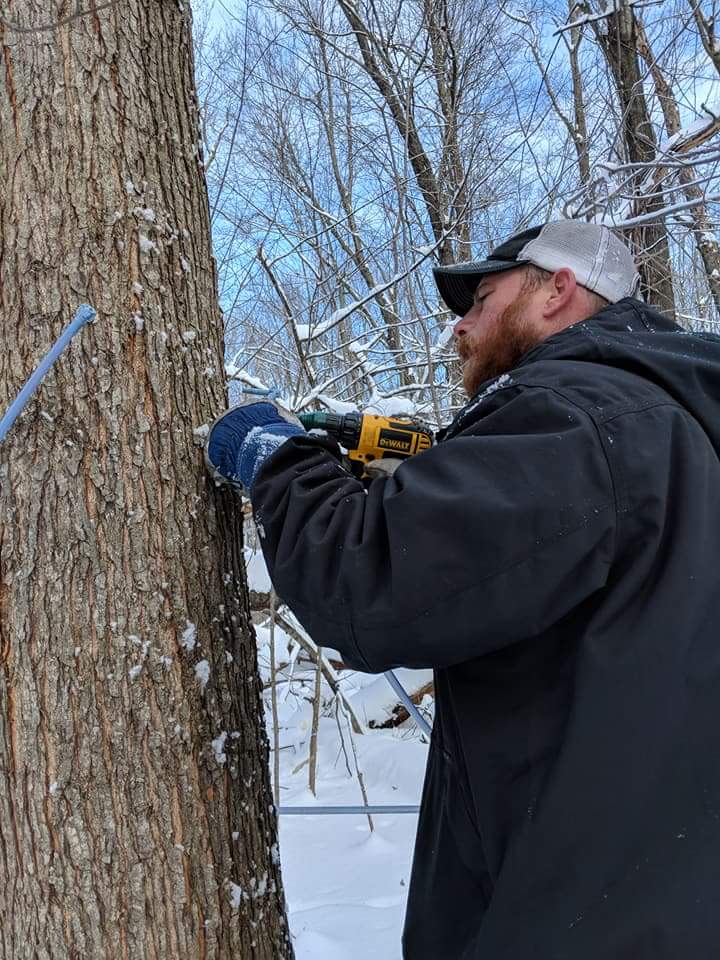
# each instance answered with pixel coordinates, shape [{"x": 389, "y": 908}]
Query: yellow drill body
[
  {"x": 369, "y": 436},
  {"x": 389, "y": 437}
]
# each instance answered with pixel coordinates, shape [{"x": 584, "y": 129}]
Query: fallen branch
[{"x": 399, "y": 713}]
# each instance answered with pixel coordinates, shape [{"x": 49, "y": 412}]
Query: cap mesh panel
[{"x": 599, "y": 260}]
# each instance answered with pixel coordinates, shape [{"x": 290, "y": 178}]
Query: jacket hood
[{"x": 633, "y": 336}]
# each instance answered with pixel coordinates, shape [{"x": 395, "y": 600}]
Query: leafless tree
[{"x": 136, "y": 816}]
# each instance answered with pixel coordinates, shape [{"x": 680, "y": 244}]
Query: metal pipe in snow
[
  {"x": 374, "y": 808},
  {"x": 84, "y": 314}
]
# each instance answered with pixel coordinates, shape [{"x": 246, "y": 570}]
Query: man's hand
[{"x": 241, "y": 439}]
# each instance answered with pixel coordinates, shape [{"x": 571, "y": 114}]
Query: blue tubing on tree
[{"x": 84, "y": 314}]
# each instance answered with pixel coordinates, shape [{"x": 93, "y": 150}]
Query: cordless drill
[{"x": 369, "y": 437}]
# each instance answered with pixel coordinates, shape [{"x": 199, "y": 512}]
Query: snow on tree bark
[{"x": 122, "y": 834}]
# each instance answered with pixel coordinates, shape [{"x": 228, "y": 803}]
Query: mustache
[{"x": 463, "y": 348}]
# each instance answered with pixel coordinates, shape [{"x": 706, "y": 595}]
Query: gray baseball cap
[{"x": 600, "y": 261}]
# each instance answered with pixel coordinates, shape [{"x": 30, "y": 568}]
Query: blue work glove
[{"x": 241, "y": 439}]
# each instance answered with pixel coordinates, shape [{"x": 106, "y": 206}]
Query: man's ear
[{"x": 561, "y": 291}]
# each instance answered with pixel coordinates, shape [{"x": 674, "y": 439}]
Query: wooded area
[
  {"x": 349, "y": 146},
  {"x": 327, "y": 154}
]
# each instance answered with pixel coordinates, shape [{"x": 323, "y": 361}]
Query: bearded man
[{"x": 554, "y": 558}]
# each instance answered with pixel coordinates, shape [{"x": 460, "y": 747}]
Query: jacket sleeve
[{"x": 486, "y": 539}]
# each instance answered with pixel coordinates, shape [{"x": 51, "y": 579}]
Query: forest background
[{"x": 349, "y": 146}]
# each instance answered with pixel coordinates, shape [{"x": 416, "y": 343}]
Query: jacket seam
[
  {"x": 640, "y": 408},
  {"x": 594, "y": 412},
  {"x": 618, "y": 466},
  {"x": 358, "y": 650}
]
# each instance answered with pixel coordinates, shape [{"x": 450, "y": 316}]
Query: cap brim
[{"x": 457, "y": 283}]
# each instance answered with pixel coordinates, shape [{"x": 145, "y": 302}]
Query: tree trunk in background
[
  {"x": 379, "y": 70},
  {"x": 707, "y": 30},
  {"x": 650, "y": 240},
  {"x": 702, "y": 224},
  {"x": 135, "y": 807}
]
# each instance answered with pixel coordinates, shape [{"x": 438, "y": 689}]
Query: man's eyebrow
[{"x": 485, "y": 289}]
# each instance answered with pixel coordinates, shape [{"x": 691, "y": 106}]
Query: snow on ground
[
  {"x": 346, "y": 885},
  {"x": 258, "y": 577}
]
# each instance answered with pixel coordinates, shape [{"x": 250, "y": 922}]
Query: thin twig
[
  {"x": 358, "y": 771},
  {"x": 273, "y": 700},
  {"x": 315, "y": 724}
]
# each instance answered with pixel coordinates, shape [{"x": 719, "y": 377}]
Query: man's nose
[{"x": 461, "y": 327}]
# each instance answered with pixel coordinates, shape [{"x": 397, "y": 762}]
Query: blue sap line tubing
[
  {"x": 410, "y": 706},
  {"x": 84, "y": 314}
]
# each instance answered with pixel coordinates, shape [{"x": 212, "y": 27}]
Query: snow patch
[
  {"x": 218, "y": 745},
  {"x": 188, "y": 638},
  {"x": 502, "y": 381},
  {"x": 257, "y": 573},
  {"x": 236, "y": 895},
  {"x": 202, "y": 672},
  {"x": 147, "y": 245}
]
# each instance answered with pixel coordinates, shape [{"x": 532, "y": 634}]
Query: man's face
[{"x": 501, "y": 326}]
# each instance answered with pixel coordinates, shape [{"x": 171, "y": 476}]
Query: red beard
[{"x": 503, "y": 342}]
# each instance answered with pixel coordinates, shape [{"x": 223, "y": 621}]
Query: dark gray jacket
[{"x": 556, "y": 559}]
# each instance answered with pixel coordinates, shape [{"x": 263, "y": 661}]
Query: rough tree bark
[{"x": 136, "y": 815}]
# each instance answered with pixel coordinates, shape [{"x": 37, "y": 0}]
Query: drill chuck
[{"x": 343, "y": 427}]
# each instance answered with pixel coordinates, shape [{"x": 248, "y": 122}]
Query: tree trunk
[
  {"x": 707, "y": 31},
  {"x": 136, "y": 815},
  {"x": 377, "y": 68},
  {"x": 580, "y": 137},
  {"x": 619, "y": 46},
  {"x": 702, "y": 224}
]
